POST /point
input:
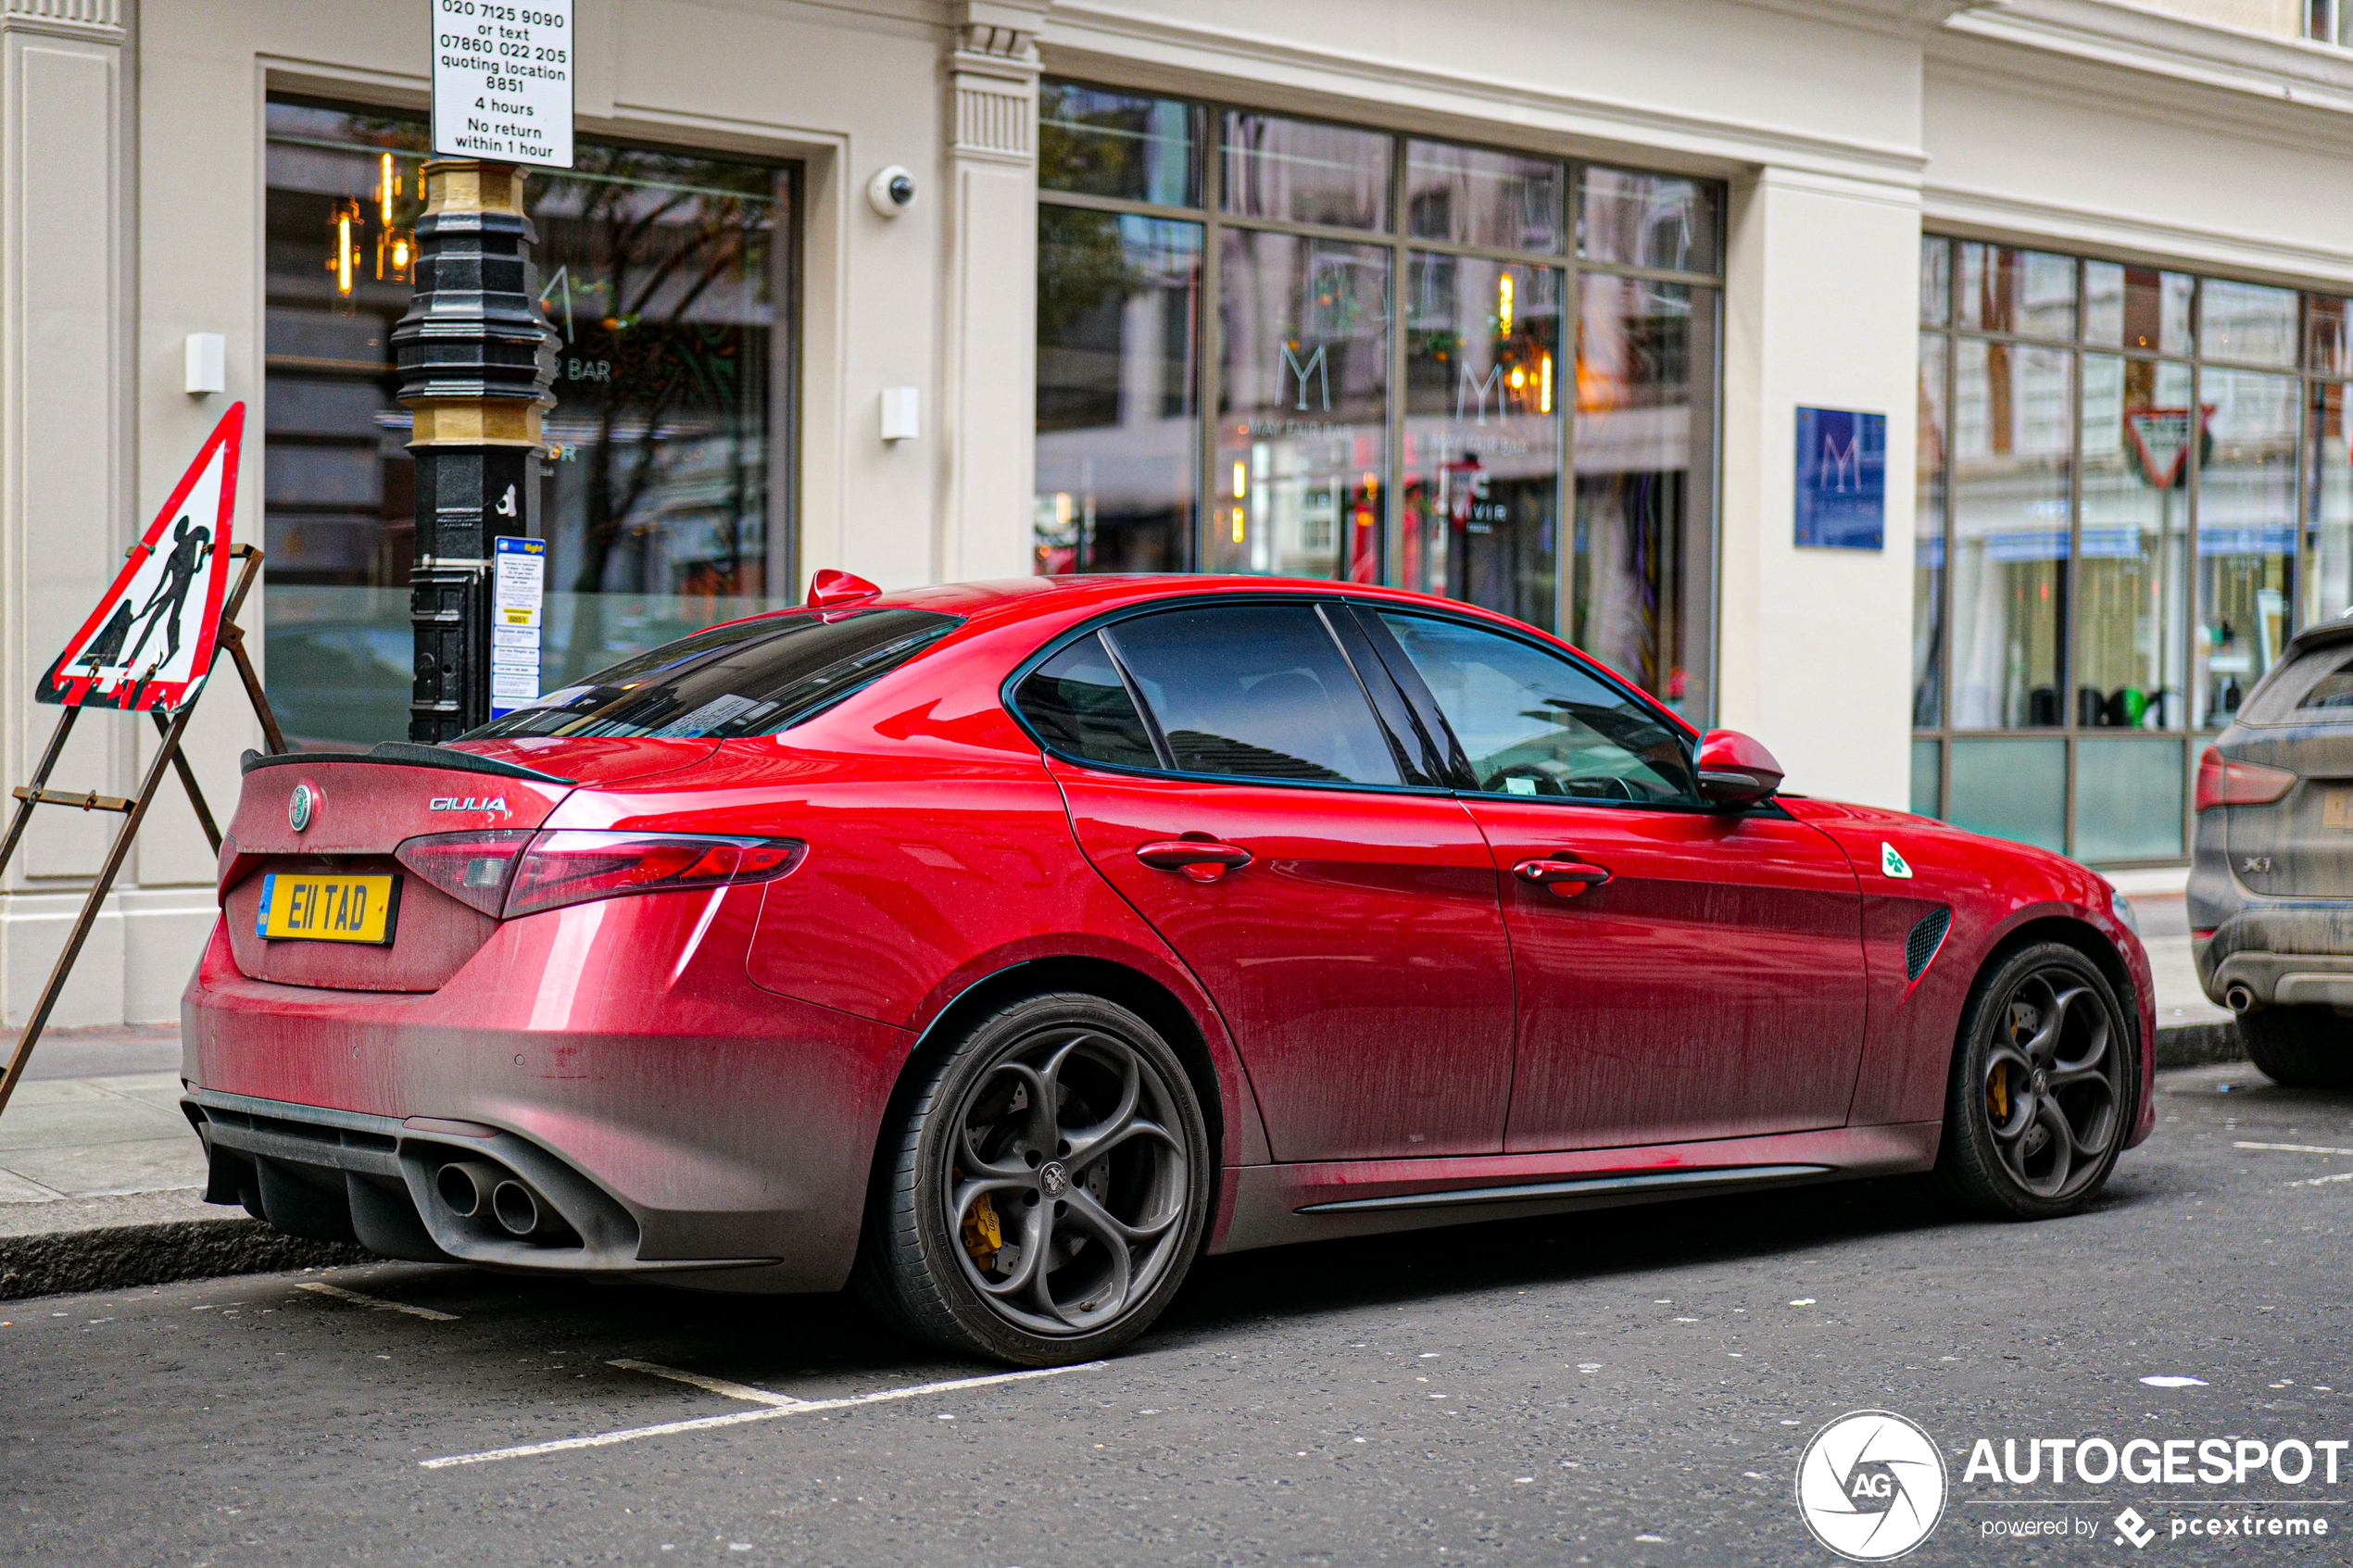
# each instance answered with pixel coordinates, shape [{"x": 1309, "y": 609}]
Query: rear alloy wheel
[
  {"x": 2305, "y": 1047},
  {"x": 1048, "y": 1187},
  {"x": 2041, "y": 1091}
]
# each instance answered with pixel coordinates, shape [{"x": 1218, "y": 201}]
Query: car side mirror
[{"x": 1736, "y": 770}]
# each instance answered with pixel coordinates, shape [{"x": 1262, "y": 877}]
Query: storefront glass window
[
  {"x": 1305, "y": 172},
  {"x": 1098, "y": 142},
  {"x": 2247, "y": 534},
  {"x": 2013, "y": 441},
  {"x": 1476, "y": 196},
  {"x": 1484, "y": 375},
  {"x": 2005, "y": 290},
  {"x": 2134, "y": 546},
  {"x": 1645, "y": 407},
  {"x": 661, "y": 275},
  {"x": 2134, "y": 531},
  {"x": 1302, "y": 433},
  {"x": 1927, "y": 542},
  {"x": 1636, "y": 219},
  {"x": 1395, "y": 404},
  {"x": 2328, "y": 485},
  {"x": 1118, "y": 425}
]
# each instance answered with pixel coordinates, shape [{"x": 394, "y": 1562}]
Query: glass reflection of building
[
  {"x": 660, "y": 275},
  {"x": 2132, "y": 489},
  {"x": 1280, "y": 347}
]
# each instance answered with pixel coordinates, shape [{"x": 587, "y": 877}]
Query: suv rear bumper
[{"x": 2284, "y": 953}]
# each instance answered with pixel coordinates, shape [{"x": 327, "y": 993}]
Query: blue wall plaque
[{"x": 1842, "y": 479}]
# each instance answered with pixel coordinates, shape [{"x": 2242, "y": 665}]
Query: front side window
[
  {"x": 1533, "y": 723},
  {"x": 1256, "y": 691},
  {"x": 758, "y": 678}
]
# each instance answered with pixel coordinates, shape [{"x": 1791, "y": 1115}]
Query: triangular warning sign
[{"x": 149, "y": 644}]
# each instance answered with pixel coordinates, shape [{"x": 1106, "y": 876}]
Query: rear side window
[
  {"x": 753, "y": 678},
  {"x": 1076, "y": 701},
  {"x": 2316, "y": 689},
  {"x": 1255, "y": 690},
  {"x": 1533, "y": 723}
]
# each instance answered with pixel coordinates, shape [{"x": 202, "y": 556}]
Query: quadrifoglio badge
[{"x": 1873, "y": 1484}]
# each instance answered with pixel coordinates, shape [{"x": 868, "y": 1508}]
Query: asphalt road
[{"x": 1632, "y": 1386}]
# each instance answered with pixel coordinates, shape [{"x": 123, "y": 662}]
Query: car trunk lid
[
  {"x": 2300, "y": 718},
  {"x": 354, "y": 810}
]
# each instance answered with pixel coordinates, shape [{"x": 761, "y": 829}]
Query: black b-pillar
[{"x": 476, "y": 368}]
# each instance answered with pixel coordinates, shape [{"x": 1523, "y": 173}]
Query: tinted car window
[
  {"x": 1533, "y": 723},
  {"x": 1078, "y": 703},
  {"x": 1256, "y": 691},
  {"x": 2316, "y": 688},
  {"x": 756, "y": 678}
]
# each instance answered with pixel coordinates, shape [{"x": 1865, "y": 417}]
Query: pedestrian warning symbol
[{"x": 149, "y": 644}]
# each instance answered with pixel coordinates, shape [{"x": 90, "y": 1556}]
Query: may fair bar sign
[{"x": 502, "y": 81}]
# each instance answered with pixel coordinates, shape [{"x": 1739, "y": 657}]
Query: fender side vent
[{"x": 1920, "y": 948}]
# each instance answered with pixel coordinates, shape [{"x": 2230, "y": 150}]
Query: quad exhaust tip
[
  {"x": 466, "y": 1187},
  {"x": 475, "y": 1190}
]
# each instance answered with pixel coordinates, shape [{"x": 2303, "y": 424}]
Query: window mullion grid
[
  {"x": 1565, "y": 430},
  {"x": 1211, "y": 512},
  {"x": 2071, "y": 653},
  {"x": 1392, "y": 512}
]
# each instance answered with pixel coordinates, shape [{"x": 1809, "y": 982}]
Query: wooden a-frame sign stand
[{"x": 172, "y": 727}]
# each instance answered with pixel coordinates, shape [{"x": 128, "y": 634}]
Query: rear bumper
[
  {"x": 614, "y": 1055},
  {"x": 2286, "y": 953}
]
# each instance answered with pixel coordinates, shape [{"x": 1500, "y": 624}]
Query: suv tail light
[
  {"x": 510, "y": 873},
  {"x": 2225, "y": 780}
]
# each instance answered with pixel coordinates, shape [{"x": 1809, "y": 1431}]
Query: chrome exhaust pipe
[
  {"x": 519, "y": 1211},
  {"x": 465, "y": 1187},
  {"x": 2238, "y": 996}
]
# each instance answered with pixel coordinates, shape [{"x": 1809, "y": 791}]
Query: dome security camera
[{"x": 892, "y": 191}]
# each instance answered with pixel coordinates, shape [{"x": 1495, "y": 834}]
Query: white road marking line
[
  {"x": 2323, "y": 1181},
  {"x": 740, "y": 1418},
  {"x": 710, "y": 1385},
  {"x": 339, "y": 1293},
  {"x": 2292, "y": 1148}
]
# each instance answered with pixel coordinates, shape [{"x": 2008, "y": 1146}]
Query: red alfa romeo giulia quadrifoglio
[{"x": 1005, "y": 946}]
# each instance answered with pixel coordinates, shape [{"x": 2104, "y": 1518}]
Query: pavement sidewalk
[{"x": 101, "y": 1177}]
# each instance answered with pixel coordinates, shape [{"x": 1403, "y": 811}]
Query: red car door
[
  {"x": 1684, "y": 973},
  {"x": 1345, "y": 921}
]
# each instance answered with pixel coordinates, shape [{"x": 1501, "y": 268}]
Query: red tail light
[
  {"x": 572, "y": 866},
  {"x": 473, "y": 867},
  {"x": 510, "y": 873},
  {"x": 2225, "y": 780}
]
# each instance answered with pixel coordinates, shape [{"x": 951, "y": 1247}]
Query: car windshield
[{"x": 753, "y": 678}]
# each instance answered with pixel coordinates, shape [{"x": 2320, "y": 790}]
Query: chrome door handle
[
  {"x": 1204, "y": 860},
  {"x": 1565, "y": 877}
]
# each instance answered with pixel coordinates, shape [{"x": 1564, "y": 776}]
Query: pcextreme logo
[{"x": 1870, "y": 1486}]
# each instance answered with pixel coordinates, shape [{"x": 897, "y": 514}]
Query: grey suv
[{"x": 2270, "y": 893}]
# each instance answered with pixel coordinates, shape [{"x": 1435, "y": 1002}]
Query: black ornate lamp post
[{"x": 476, "y": 368}]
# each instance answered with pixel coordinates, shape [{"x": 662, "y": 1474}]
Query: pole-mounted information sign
[{"x": 502, "y": 81}]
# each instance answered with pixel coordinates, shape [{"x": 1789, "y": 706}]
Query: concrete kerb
[{"x": 123, "y": 1257}]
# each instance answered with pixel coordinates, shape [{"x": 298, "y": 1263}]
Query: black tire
[
  {"x": 2305, "y": 1047},
  {"x": 2045, "y": 1050},
  {"x": 1116, "y": 1208}
]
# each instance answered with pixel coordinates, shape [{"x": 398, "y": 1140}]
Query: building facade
[{"x": 1527, "y": 305}]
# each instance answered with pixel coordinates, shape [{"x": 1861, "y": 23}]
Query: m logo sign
[{"x": 1842, "y": 479}]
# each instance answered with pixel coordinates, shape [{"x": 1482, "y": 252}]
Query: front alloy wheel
[
  {"x": 2041, "y": 1089},
  {"x": 1049, "y": 1187}
]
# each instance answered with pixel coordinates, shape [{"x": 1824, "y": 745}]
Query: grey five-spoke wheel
[
  {"x": 1048, "y": 1187},
  {"x": 2043, "y": 1087}
]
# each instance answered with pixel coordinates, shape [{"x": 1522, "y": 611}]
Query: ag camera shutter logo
[{"x": 1870, "y": 1486}]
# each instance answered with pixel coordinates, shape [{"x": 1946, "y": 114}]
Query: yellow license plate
[{"x": 305, "y": 908}]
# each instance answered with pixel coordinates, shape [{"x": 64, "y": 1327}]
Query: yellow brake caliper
[
  {"x": 1997, "y": 1093},
  {"x": 983, "y": 1237}
]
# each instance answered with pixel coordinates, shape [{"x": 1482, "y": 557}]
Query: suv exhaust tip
[{"x": 2238, "y": 996}]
